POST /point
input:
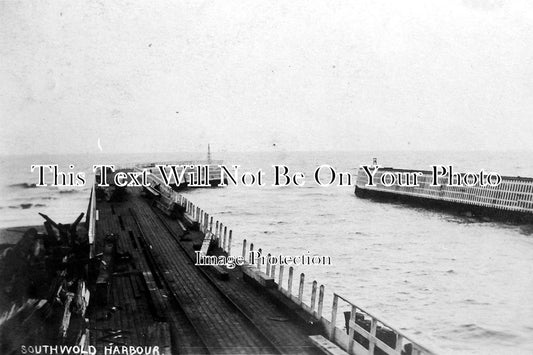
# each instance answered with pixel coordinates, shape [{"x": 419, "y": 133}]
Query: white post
[
  {"x": 334, "y": 316},
  {"x": 301, "y": 288},
  {"x": 267, "y": 270},
  {"x": 351, "y": 330},
  {"x": 280, "y": 280},
  {"x": 399, "y": 343},
  {"x": 229, "y": 242},
  {"x": 259, "y": 252},
  {"x": 289, "y": 286},
  {"x": 320, "y": 301},
  {"x": 313, "y": 296},
  {"x": 371, "y": 340},
  {"x": 224, "y": 246}
]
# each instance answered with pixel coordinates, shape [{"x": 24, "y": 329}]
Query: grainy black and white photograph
[{"x": 266, "y": 177}]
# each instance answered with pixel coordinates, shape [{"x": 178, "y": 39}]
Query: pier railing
[
  {"x": 363, "y": 333},
  {"x": 512, "y": 194}
]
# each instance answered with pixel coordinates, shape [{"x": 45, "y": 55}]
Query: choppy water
[{"x": 458, "y": 285}]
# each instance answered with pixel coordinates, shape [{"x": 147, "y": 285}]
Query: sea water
[{"x": 456, "y": 284}]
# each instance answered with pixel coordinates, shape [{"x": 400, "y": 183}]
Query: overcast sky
[{"x": 303, "y": 75}]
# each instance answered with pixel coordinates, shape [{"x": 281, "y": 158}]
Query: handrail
[{"x": 353, "y": 327}]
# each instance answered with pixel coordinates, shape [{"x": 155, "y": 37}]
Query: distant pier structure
[{"x": 511, "y": 200}]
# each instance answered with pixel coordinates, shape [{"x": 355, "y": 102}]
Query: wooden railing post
[
  {"x": 333, "y": 316},
  {"x": 250, "y": 253},
  {"x": 267, "y": 270},
  {"x": 301, "y": 288},
  {"x": 320, "y": 301},
  {"x": 259, "y": 252},
  {"x": 243, "y": 248},
  {"x": 229, "y": 242},
  {"x": 399, "y": 343},
  {"x": 200, "y": 223},
  {"x": 351, "y": 330},
  {"x": 313, "y": 296},
  {"x": 372, "y": 340},
  {"x": 224, "y": 246},
  {"x": 289, "y": 286},
  {"x": 273, "y": 271},
  {"x": 280, "y": 280}
]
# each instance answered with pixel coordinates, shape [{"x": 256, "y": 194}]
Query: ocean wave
[
  {"x": 70, "y": 191},
  {"x": 25, "y": 206},
  {"x": 24, "y": 185},
  {"x": 476, "y": 331}
]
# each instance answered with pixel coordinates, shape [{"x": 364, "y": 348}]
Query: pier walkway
[{"x": 154, "y": 295}]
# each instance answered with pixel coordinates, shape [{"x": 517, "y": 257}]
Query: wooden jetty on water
[
  {"x": 138, "y": 291},
  {"x": 510, "y": 201}
]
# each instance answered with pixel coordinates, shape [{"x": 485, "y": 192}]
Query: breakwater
[{"x": 510, "y": 200}]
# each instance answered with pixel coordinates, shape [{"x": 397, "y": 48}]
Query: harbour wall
[{"x": 511, "y": 200}]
